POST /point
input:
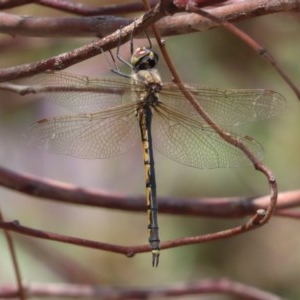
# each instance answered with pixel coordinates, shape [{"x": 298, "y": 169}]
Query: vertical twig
[
  {"x": 11, "y": 247},
  {"x": 262, "y": 216}
]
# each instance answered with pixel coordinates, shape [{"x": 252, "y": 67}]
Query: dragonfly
[{"x": 112, "y": 114}]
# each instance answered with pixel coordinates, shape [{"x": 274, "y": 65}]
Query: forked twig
[
  {"x": 69, "y": 58},
  {"x": 178, "y": 24}
]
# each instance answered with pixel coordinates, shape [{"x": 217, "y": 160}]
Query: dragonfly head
[{"x": 144, "y": 58}]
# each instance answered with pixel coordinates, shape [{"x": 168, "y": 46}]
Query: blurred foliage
[{"x": 267, "y": 258}]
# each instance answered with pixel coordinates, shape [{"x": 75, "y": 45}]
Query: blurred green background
[{"x": 268, "y": 258}]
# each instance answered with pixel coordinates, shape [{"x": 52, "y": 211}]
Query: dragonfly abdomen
[{"x": 145, "y": 118}]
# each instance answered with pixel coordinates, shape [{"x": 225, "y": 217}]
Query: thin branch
[
  {"x": 233, "y": 11},
  {"x": 20, "y": 292},
  {"x": 5, "y": 4},
  {"x": 221, "y": 286},
  {"x": 97, "y": 26},
  {"x": 129, "y": 251},
  {"x": 261, "y": 217},
  {"x": 89, "y": 10},
  {"x": 169, "y": 25},
  {"x": 67, "y": 59},
  {"x": 208, "y": 207},
  {"x": 92, "y": 10}
]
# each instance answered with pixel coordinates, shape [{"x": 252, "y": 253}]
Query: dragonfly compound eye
[{"x": 144, "y": 58}]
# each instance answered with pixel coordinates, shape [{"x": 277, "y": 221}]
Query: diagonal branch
[{"x": 67, "y": 59}]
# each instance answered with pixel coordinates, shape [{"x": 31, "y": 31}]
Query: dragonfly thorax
[
  {"x": 151, "y": 84},
  {"x": 145, "y": 74}
]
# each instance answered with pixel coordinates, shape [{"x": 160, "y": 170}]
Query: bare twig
[
  {"x": 5, "y": 4},
  {"x": 20, "y": 289},
  {"x": 262, "y": 216},
  {"x": 67, "y": 59},
  {"x": 129, "y": 251},
  {"x": 208, "y": 286},
  {"x": 100, "y": 26},
  {"x": 89, "y": 10},
  {"x": 97, "y": 26},
  {"x": 208, "y": 207},
  {"x": 231, "y": 11}
]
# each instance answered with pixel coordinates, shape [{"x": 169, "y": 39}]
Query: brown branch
[
  {"x": 261, "y": 217},
  {"x": 233, "y": 11},
  {"x": 221, "y": 286},
  {"x": 5, "y": 4},
  {"x": 89, "y": 10},
  {"x": 20, "y": 292},
  {"x": 92, "y": 10},
  {"x": 67, "y": 59},
  {"x": 97, "y": 26},
  {"x": 208, "y": 207},
  {"x": 130, "y": 251},
  {"x": 167, "y": 26}
]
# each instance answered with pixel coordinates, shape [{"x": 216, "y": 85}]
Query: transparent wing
[
  {"x": 99, "y": 135},
  {"x": 227, "y": 108},
  {"x": 178, "y": 130},
  {"x": 195, "y": 144},
  {"x": 85, "y": 94}
]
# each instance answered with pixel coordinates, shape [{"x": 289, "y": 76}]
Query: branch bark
[
  {"x": 100, "y": 26},
  {"x": 221, "y": 286},
  {"x": 208, "y": 207},
  {"x": 186, "y": 23}
]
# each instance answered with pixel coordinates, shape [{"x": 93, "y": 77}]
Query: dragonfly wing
[
  {"x": 99, "y": 135},
  {"x": 82, "y": 93},
  {"x": 195, "y": 144},
  {"x": 227, "y": 108}
]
